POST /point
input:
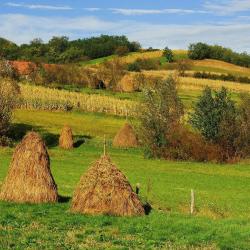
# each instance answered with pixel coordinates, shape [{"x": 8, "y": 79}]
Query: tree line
[
  {"x": 62, "y": 50},
  {"x": 200, "y": 51}
]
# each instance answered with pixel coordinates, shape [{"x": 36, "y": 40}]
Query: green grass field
[{"x": 222, "y": 219}]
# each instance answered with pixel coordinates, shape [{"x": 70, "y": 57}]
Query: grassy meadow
[{"x": 221, "y": 221}]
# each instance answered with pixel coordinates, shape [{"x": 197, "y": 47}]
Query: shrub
[
  {"x": 220, "y": 122},
  {"x": 7, "y": 70},
  {"x": 122, "y": 51},
  {"x": 148, "y": 63},
  {"x": 9, "y": 92},
  {"x": 223, "y": 77},
  {"x": 168, "y": 54},
  {"x": 135, "y": 67},
  {"x": 187, "y": 145},
  {"x": 160, "y": 109},
  {"x": 182, "y": 66}
]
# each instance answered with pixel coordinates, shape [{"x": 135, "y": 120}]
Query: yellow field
[
  {"x": 221, "y": 65},
  {"x": 199, "y": 84}
]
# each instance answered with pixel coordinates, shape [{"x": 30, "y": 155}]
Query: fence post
[{"x": 192, "y": 205}]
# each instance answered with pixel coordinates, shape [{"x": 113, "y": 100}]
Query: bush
[
  {"x": 222, "y": 77},
  {"x": 7, "y": 70},
  {"x": 182, "y": 66},
  {"x": 220, "y": 122},
  {"x": 134, "y": 67},
  {"x": 122, "y": 51},
  {"x": 9, "y": 92},
  {"x": 144, "y": 64},
  {"x": 160, "y": 109},
  {"x": 187, "y": 145},
  {"x": 168, "y": 54}
]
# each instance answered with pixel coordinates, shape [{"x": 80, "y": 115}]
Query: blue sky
[{"x": 156, "y": 23}]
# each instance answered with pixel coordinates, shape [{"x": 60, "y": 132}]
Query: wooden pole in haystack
[{"x": 104, "y": 146}]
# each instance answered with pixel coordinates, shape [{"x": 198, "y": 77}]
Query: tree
[
  {"x": 199, "y": 51},
  {"x": 168, "y": 54},
  {"x": 210, "y": 111},
  {"x": 9, "y": 92},
  {"x": 222, "y": 123},
  {"x": 160, "y": 109}
]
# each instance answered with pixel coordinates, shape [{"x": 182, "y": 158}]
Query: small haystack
[
  {"x": 29, "y": 178},
  {"x": 126, "y": 137},
  {"x": 105, "y": 190},
  {"x": 128, "y": 83},
  {"x": 66, "y": 138}
]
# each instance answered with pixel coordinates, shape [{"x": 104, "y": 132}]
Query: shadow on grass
[
  {"x": 19, "y": 130},
  {"x": 147, "y": 208},
  {"x": 80, "y": 139},
  {"x": 63, "y": 199}
]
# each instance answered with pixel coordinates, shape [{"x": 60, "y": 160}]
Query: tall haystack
[
  {"x": 105, "y": 190},
  {"x": 29, "y": 178},
  {"x": 66, "y": 138},
  {"x": 126, "y": 137}
]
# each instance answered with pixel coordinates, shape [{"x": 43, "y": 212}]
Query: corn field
[{"x": 37, "y": 97}]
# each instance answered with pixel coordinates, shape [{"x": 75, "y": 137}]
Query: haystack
[
  {"x": 105, "y": 190},
  {"x": 29, "y": 178},
  {"x": 66, "y": 138},
  {"x": 127, "y": 83},
  {"x": 126, "y": 137}
]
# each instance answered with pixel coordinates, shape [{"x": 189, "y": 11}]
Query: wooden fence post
[{"x": 192, "y": 205}]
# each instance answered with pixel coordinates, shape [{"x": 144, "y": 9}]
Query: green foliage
[
  {"x": 134, "y": 67},
  {"x": 61, "y": 50},
  {"x": 168, "y": 54},
  {"x": 199, "y": 51},
  {"x": 209, "y": 111},
  {"x": 8, "y": 50},
  {"x": 220, "y": 122},
  {"x": 160, "y": 109},
  {"x": 9, "y": 92}
]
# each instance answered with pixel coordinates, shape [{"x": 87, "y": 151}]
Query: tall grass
[{"x": 37, "y": 97}]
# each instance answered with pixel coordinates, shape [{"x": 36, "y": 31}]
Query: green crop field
[{"x": 221, "y": 221}]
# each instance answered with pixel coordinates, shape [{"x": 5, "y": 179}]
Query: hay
[
  {"x": 66, "y": 138},
  {"x": 105, "y": 190},
  {"x": 128, "y": 83},
  {"x": 126, "y": 137},
  {"x": 29, "y": 178}
]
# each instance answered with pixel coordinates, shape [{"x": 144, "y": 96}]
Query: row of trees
[
  {"x": 62, "y": 50},
  {"x": 219, "y": 131},
  {"x": 200, "y": 51}
]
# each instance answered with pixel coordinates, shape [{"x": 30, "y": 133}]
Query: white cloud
[
  {"x": 92, "y": 9},
  {"x": 131, "y": 12},
  {"x": 234, "y": 35},
  {"x": 38, "y": 6},
  {"x": 225, "y": 7}
]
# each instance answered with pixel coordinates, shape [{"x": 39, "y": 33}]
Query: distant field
[{"x": 222, "y": 196}]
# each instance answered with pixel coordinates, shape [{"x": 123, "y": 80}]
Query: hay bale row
[{"x": 102, "y": 190}]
